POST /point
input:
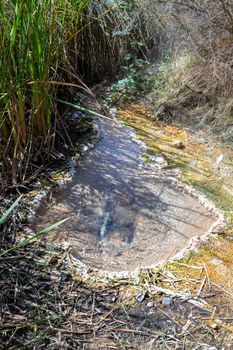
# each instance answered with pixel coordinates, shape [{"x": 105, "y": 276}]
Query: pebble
[
  {"x": 214, "y": 326},
  {"x": 167, "y": 301},
  {"x": 140, "y": 297},
  {"x": 150, "y": 304},
  {"x": 160, "y": 159},
  {"x": 85, "y": 148},
  {"x": 219, "y": 159},
  {"x": 178, "y": 144}
]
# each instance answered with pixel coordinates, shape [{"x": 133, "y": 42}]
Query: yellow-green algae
[
  {"x": 215, "y": 263},
  {"x": 201, "y": 166},
  {"x": 197, "y": 160}
]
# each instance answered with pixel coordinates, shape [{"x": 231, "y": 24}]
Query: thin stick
[
  {"x": 207, "y": 276},
  {"x": 202, "y": 286}
]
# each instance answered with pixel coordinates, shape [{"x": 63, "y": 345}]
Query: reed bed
[
  {"x": 31, "y": 43},
  {"x": 46, "y": 45}
]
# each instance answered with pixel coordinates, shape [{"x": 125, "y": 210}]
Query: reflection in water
[{"x": 123, "y": 216}]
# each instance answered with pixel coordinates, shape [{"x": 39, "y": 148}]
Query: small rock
[
  {"x": 150, "y": 304},
  {"x": 178, "y": 144},
  {"x": 219, "y": 159},
  {"x": 214, "y": 326},
  {"x": 140, "y": 297},
  {"x": 159, "y": 159},
  {"x": 85, "y": 148},
  {"x": 167, "y": 301}
]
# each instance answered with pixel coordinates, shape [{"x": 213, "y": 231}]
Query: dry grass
[
  {"x": 196, "y": 92},
  {"x": 198, "y": 37},
  {"x": 44, "y": 305}
]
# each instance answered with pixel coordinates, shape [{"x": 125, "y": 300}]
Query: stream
[{"x": 124, "y": 214}]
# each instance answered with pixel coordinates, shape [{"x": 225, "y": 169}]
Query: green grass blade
[
  {"x": 52, "y": 227},
  {"x": 84, "y": 110},
  {"x": 9, "y": 211},
  {"x": 37, "y": 235}
]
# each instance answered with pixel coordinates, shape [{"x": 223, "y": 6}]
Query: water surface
[{"x": 124, "y": 216}]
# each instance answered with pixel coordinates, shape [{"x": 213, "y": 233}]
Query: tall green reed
[
  {"x": 43, "y": 44},
  {"x": 32, "y": 37}
]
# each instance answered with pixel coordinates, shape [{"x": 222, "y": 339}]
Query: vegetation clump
[
  {"x": 51, "y": 49},
  {"x": 195, "y": 84}
]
